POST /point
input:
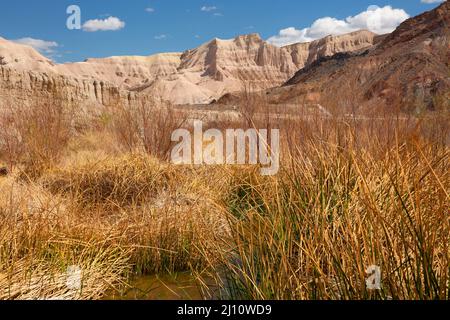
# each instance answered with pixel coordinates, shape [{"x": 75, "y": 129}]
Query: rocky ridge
[
  {"x": 408, "y": 69},
  {"x": 196, "y": 76}
]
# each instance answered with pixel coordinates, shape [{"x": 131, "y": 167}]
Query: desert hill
[
  {"x": 196, "y": 76},
  {"x": 409, "y": 69}
]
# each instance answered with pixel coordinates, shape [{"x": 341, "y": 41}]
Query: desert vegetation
[{"x": 99, "y": 193}]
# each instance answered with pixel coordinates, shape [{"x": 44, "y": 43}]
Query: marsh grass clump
[
  {"x": 114, "y": 182},
  {"x": 40, "y": 241},
  {"x": 45, "y": 230},
  {"x": 101, "y": 269},
  {"x": 314, "y": 230}
]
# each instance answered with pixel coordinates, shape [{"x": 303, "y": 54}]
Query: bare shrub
[
  {"x": 249, "y": 105},
  {"x": 254, "y": 107},
  {"x": 35, "y": 136},
  {"x": 146, "y": 126},
  {"x": 11, "y": 146}
]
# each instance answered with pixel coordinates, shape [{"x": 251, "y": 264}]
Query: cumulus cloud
[
  {"x": 45, "y": 47},
  {"x": 108, "y": 24},
  {"x": 376, "y": 19},
  {"x": 150, "y": 10},
  {"x": 432, "y": 1}
]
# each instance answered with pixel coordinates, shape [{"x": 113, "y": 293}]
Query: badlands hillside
[
  {"x": 197, "y": 76},
  {"x": 409, "y": 69}
]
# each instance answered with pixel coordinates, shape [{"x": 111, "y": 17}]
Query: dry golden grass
[
  {"x": 39, "y": 241},
  {"x": 111, "y": 182},
  {"x": 112, "y": 217},
  {"x": 351, "y": 193},
  {"x": 343, "y": 202}
]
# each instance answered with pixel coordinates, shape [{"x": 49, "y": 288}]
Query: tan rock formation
[
  {"x": 196, "y": 76},
  {"x": 304, "y": 54}
]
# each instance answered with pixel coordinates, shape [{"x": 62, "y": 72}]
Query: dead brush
[
  {"x": 146, "y": 126},
  {"x": 34, "y": 137}
]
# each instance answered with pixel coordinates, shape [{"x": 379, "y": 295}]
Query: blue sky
[{"x": 176, "y": 25}]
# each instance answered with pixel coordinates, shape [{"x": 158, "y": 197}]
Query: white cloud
[
  {"x": 432, "y": 1},
  {"x": 109, "y": 24},
  {"x": 378, "y": 20},
  {"x": 45, "y": 47},
  {"x": 208, "y": 9},
  {"x": 150, "y": 10},
  {"x": 161, "y": 37}
]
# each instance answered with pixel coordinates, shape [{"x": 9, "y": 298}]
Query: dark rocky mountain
[{"x": 407, "y": 69}]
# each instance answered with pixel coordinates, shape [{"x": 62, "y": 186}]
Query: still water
[{"x": 180, "y": 286}]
